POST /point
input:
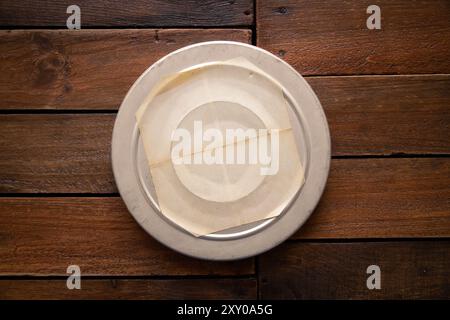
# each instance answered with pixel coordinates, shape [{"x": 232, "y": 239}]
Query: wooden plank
[
  {"x": 332, "y": 38},
  {"x": 130, "y": 289},
  {"x": 390, "y": 198},
  {"x": 383, "y": 198},
  {"x": 81, "y": 70},
  {"x": 386, "y": 114},
  {"x": 103, "y": 13},
  {"x": 56, "y": 153},
  {"x": 43, "y": 236},
  {"x": 86, "y": 69},
  {"x": 409, "y": 270},
  {"x": 63, "y": 153}
]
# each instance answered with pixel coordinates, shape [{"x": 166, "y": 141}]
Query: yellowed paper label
[{"x": 196, "y": 125}]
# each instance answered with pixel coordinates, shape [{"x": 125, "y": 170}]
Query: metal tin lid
[{"x": 134, "y": 181}]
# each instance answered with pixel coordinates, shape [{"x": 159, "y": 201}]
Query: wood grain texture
[
  {"x": 365, "y": 198},
  {"x": 383, "y": 198},
  {"x": 386, "y": 114},
  {"x": 56, "y": 153},
  {"x": 409, "y": 270},
  {"x": 117, "y": 13},
  {"x": 368, "y": 115},
  {"x": 86, "y": 69},
  {"x": 43, "y": 236},
  {"x": 136, "y": 289},
  {"x": 331, "y": 37},
  {"x": 70, "y": 153}
]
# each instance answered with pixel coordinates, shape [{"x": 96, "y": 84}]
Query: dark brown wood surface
[
  {"x": 331, "y": 37},
  {"x": 149, "y": 13},
  {"x": 365, "y": 198},
  {"x": 409, "y": 270},
  {"x": 77, "y": 156},
  {"x": 42, "y": 236},
  {"x": 130, "y": 289},
  {"x": 86, "y": 69},
  {"x": 74, "y": 144},
  {"x": 383, "y": 198},
  {"x": 386, "y": 94},
  {"x": 383, "y": 115}
]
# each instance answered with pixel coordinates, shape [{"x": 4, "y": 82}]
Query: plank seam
[
  {"x": 139, "y": 27},
  {"x": 129, "y": 277},
  {"x": 368, "y": 240}
]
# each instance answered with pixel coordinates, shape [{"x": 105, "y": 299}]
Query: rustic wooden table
[{"x": 386, "y": 94}]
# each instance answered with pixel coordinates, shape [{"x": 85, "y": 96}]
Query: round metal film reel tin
[{"x": 134, "y": 181}]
